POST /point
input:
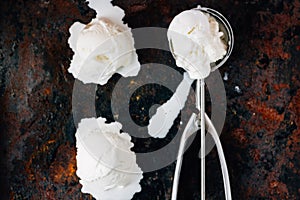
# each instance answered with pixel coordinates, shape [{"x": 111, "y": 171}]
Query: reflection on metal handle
[
  {"x": 191, "y": 127},
  {"x": 215, "y": 136},
  {"x": 202, "y": 118}
]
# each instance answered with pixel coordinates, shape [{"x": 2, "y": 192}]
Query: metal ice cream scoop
[{"x": 199, "y": 121}]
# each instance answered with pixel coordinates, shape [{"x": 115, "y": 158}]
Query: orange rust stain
[
  {"x": 28, "y": 170},
  {"x": 274, "y": 49},
  {"x": 240, "y": 135},
  {"x": 295, "y": 105},
  {"x": 47, "y": 91},
  {"x": 63, "y": 169},
  {"x": 285, "y": 56},
  {"x": 266, "y": 112},
  {"x": 64, "y": 174},
  {"x": 28, "y": 167},
  {"x": 277, "y": 26},
  {"x": 49, "y": 142},
  {"x": 255, "y": 154},
  {"x": 295, "y": 140},
  {"x": 274, "y": 184},
  {"x": 291, "y": 165},
  {"x": 280, "y": 86},
  {"x": 264, "y": 86},
  {"x": 279, "y": 188},
  {"x": 45, "y": 147},
  {"x": 138, "y": 8}
]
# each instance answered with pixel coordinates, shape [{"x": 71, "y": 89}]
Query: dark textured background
[{"x": 260, "y": 138}]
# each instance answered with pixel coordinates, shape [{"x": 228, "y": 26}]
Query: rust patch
[
  {"x": 240, "y": 136},
  {"x": 64, "y": 166},
  {"x": 265, "y": 112}
]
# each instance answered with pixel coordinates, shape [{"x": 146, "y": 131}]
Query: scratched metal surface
[{"x": 261, "y": 137}]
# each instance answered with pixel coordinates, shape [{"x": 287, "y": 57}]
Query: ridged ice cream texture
[
  {"x": 101, "y": 49},
  {"x": 106, "y": 165}
]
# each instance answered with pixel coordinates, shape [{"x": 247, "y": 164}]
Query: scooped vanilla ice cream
[
  {"x": 195, "y": 41},
  {"x": 106, "y": 166},
  {"x": 113, "y": 37},
  {"x": 103, "y": 48}
]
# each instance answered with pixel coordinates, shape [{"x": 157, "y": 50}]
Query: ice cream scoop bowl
[{"x": 225, "y": 27}]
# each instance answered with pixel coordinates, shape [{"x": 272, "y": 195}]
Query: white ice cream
[
  {"x": 116, "y": 42},
  {"x": 195, "y": 41},
  {"x": 102, "y": 48},
  {"x": 106, "y": 166}
]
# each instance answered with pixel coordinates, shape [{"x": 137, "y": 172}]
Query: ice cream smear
[
  {"x": 196, "y": 42},
  {"x": 103, "y": 48},
  {"x": 106, "y": 166}
]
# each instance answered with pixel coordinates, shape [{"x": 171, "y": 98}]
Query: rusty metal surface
[{"x": 261, "y": 137}]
